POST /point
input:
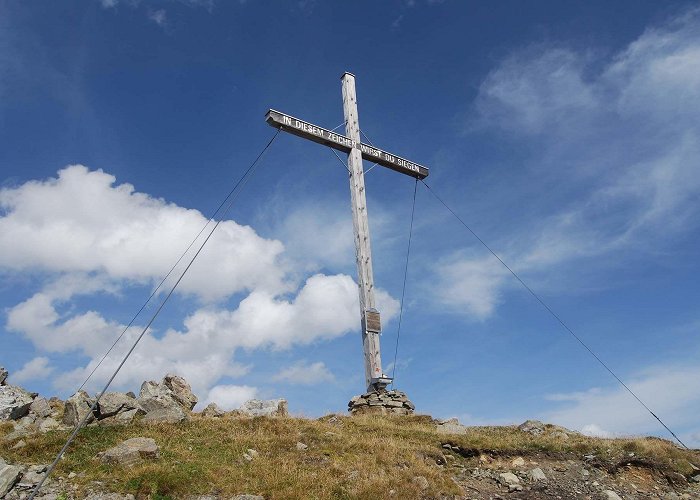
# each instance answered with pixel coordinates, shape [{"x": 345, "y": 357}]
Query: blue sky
[{"x": 565, "y": 134}]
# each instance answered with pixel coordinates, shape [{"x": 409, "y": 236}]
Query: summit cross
[{"x": 351, "y": 144}]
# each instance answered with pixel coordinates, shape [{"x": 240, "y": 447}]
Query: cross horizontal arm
[{"x": 340, "y": 142}]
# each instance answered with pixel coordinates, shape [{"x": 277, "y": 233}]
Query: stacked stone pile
[{"x": 381, "y": 403}]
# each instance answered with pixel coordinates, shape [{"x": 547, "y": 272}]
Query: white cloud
[
  {"x": 671, "y": 391},
  {"x": 106, "y": 238},
  {"x": 619, "y": 130},
  {"x": 82, "y": 222},
  {"x": 160, "y": 17},
  {"x": 37, "y": 368},
  {"x": 305, "y": 374},
  {"x": 470, "y": 285},
  {"x": 229, "y": 397}
]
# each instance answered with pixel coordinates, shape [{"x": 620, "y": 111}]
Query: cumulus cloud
[
  {"x": 36, "y": 368},
  {"x": 229, "y": 397},
  {"x": 93, "y": 225},
  {"x": 672, "y": 391},
  {"x": 305, "y": 374},
  {"x": 619, "y": 128},
  {"x": 106, "y": 238}
]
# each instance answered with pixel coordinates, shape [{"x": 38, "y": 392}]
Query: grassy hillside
[{"x": 358, "y": 457}]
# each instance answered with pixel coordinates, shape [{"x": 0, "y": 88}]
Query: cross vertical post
[{"x": 370, "y": 320}]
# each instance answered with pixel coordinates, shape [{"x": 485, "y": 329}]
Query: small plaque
[{"x": 372, "y": 321}]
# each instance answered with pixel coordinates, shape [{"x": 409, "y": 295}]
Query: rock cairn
[{"x": 381, "y": 403}]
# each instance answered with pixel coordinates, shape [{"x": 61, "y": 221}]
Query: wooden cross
[{"x": 351, "y": 144}]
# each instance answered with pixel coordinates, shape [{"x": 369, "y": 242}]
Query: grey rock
[
  {"x": 3, "y": 375},
  {"x": 48, "y": 424},
  {"x": 421, "y": 482},
  {"x": 124, "y": 417},
  {"x": 9, "y": 476},
  {"x": 40, "y": 407},
  {"x": 107, "y": 496},
  {"x": 33, "y": 475},
  {"x": 247, "y": 496},
  {"x": 518, "y": 462},
  {"x": 250, "y": 454},
  {"x": 265, "y": 408},
  {"x": 695, "y": 479},
  {"x": 515, "y": 487},
  {"x": 451, "y": 426},
  {"x": 14, "y": 402},
  {"x": 77, "y": 408},
  {"x": 19, "y": 444},
  {"x": 534, "y": 427},
  {"x": 131, "y": 452},
  {"x": 536, "y": 475},
  {"x": 508, "y": 478},
  {"x": 181, "y": 391},
  {"x": 149, "y": 389},
  {"x": 213, "y": 411},
  {"x": 611, "y": 495},
  {"x": 169, "y": 415},
  {"x": 301, "y": 446},
  {"x": 112, "y": 403}
]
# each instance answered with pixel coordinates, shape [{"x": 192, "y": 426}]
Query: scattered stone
[
  {"x": 537, "y": 475},
  {"x": 19, "y": 444},
  {"x": 72, "y": 475},
  {"x": 213, "y": 411},
  {"x": 301, "y": 446},
  {"x": 9, "y": 475},
  {"x": 40, "y": 407},
  {"x": 695, "y": 479},
  {"x": 48, "y": 424},
  {"x": 169, "y": 415},
  {"x": 33, "y": 476},
  {"x": 451, "y": 426},
  {"x": 421, "y": 482},
  {"x": 108, "y": 496},
  {"x": 534, "y": 427},
  {"x": 264, "y": 408},
  {"x": 515, "y": 487},
  {"x": 181, "y": 391},
  {"x": 518, "y": 462},
  {"x": 131, "y": 452},
  {"x": 250, "y": 454},
  {"x": 246, "y": 496},
  {"x": 611, "y": 495},
  {"x": 14, "y": 402},
  {"x": 77, "y": 408},
  {"x": 508, "y": 478},
  {"x": 382, "y": 403},
  {"x": 3, "y": 375}
]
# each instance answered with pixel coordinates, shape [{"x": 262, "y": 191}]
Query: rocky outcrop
[
  {"x": 3, "y": 375},
  {"x": 169, "y": 415},
  {"x": 181, "y": 391},
  {"x": 14, "y": 402},
  {"x": 171, "y": 392},
  {"x": 9, "y": 476},
  {"x": 78, "y": 407},
  {"x": 381, "y": 403},
  {"x": 264, "y": 408},
  {"x": 112, "y": 403}
]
